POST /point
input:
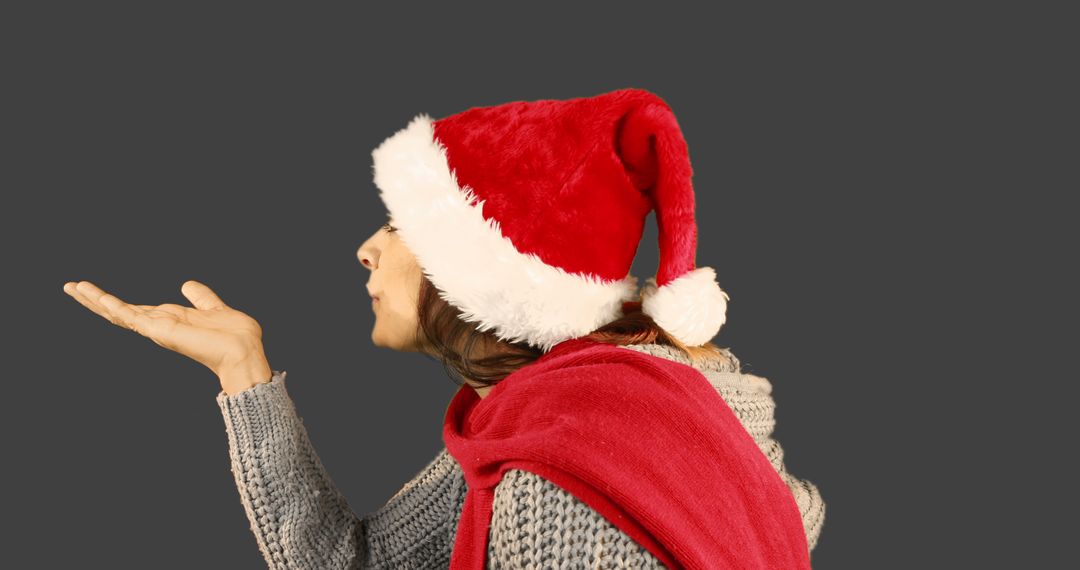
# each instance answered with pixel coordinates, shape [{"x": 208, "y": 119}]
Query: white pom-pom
[{"x": 692, "y": 308}]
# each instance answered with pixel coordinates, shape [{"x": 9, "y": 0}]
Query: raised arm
[{"x": 299, "y": 517}]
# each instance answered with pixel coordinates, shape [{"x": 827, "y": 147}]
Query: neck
[{"x": 481, "y": 391}]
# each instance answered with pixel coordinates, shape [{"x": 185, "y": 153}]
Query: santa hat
[{"x": 526, "y": 216}]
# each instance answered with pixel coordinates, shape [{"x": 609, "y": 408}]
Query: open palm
[{"x": 210, "y": 332}]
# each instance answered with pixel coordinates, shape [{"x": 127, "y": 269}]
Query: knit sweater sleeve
[
  {"x": 536, "y": 524},
  {"x": 301, "y": 520}
]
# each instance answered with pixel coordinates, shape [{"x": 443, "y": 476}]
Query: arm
[
  {"x": 299, "y": 517},
  {"x": 535, "y": 524}
]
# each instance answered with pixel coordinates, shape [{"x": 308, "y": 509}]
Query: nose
[{"x": 368, "y": 256}]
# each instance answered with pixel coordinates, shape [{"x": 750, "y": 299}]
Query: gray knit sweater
[{"x": 302, "y": 521}]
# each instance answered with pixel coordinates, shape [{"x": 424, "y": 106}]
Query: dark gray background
[{"x": 880, "y": 190}]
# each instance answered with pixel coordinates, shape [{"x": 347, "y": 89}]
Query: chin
[
  {"x": 381, "y": 341},
  {"x": 377, "y": 339}
]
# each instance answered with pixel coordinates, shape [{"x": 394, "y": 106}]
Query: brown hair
[{"x": 452, "y": 339}]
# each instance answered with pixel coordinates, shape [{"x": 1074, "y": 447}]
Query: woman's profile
[{"x": 596, "y": 424}]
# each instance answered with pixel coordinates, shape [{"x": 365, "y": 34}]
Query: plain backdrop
[{"x": 882, "y": 192}]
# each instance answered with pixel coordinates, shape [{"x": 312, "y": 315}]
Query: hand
[{"x": 212, "y": 333}]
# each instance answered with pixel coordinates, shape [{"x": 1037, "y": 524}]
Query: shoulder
[{"x": 535, "y": 523}]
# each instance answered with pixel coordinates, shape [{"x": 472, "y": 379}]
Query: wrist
[{"x": 244, "y": 375}]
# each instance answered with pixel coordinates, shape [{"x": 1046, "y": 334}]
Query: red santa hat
[{"x": 526, "y": 216}]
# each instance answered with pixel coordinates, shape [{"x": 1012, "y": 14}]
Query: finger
[
  {"x": 125, "y": 315},
  {"x": 201, "y": 296},
  {"x": 178, "y": 311},
  {"x": 90, "y": 295},
  {"x": 112, "y": 308},
  {"x": 72, "y": 289}
]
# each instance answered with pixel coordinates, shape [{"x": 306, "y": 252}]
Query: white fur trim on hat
[
  {"x": 472, "y": 264},
  {"x": 692, "y": 308}
]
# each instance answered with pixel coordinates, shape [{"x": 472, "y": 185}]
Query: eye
[{"x": 388, "y": 227}]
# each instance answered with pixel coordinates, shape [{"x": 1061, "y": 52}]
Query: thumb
[{"x": 201, "y": 296}]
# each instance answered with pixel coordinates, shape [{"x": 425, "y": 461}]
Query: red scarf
[{"x": 647, "y": 442}]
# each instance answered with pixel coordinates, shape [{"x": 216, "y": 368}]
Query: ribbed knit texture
[{"x": 302, "y": 521}]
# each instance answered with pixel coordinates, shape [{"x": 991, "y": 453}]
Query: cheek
[{"x": 397, "y": 308}]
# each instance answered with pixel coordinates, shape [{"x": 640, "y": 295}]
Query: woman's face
[{"x": 395, "y": 286}]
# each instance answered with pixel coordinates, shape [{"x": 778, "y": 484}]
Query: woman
[{"x": 507, "y": 254}]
